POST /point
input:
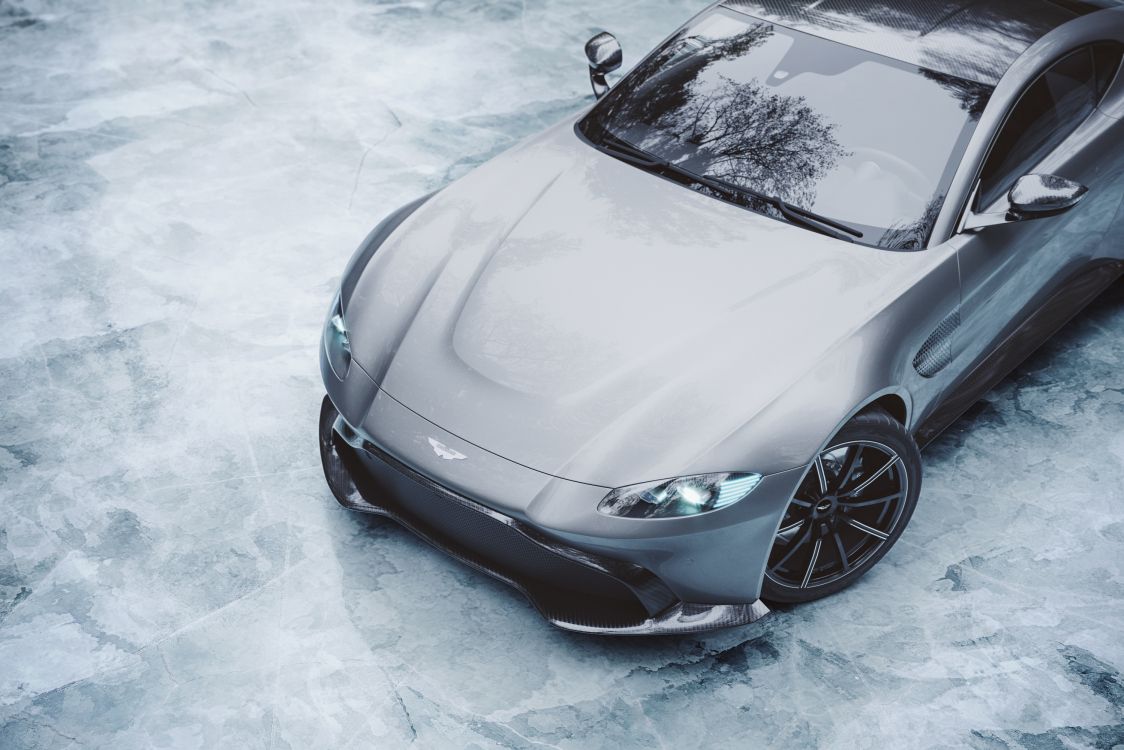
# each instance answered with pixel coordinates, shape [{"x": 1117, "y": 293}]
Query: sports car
[{"x": 677, "y": 356}]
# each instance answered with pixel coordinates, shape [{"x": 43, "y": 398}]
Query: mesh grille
[
  {"x": 566, "y": 585},
  {"x": 936, "y": 352}
]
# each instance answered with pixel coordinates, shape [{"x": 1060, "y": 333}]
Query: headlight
[
  {"x": 674, "y": 498},
  {"x": 336, "y": 343}
]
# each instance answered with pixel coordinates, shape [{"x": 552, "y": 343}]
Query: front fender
[
  {"x": 373, "y": 241},
  {"x": 873, "y": 362}
]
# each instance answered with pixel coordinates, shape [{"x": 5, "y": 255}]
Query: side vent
[{"x": 936, "y": 352}]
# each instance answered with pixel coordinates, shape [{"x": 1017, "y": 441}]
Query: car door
[{"x": 1009, "y": 271}]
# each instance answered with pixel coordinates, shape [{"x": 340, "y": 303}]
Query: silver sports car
[{"x": 676, "y": 355}]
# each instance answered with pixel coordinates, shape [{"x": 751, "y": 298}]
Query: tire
[{"x": 852, "y": 505}]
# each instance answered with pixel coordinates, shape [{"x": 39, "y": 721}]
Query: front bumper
[{"x": 572, "y": 588}]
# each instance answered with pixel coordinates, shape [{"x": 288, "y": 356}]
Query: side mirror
[
  {"x": 1037, "y": 195},
  {"x": 605, "y": 55},
  {"x": 1034, "y": 196}
]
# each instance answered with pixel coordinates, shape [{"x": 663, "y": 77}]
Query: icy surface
[{"x": 180, "y": 187}]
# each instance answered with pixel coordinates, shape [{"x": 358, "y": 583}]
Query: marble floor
[{"x": 180, "y": 187}]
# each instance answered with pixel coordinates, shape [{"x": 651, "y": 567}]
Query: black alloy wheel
[{"x": 852, "y": 505}]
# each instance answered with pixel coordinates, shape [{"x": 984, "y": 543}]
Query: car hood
[{"x": 581, "y": 317}]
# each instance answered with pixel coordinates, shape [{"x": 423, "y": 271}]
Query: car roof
[{"x": 973, "y": 39}]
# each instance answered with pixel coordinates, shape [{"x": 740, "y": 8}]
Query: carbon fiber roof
[{"x": 973, "y": 39}]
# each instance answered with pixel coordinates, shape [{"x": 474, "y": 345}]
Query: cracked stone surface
[{"x": 180, "y": 187}]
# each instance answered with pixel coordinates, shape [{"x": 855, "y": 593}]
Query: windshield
[{"x": 854, "y": 137}]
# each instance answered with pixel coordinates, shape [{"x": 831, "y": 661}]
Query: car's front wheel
[{"x": 852, "y": 505}]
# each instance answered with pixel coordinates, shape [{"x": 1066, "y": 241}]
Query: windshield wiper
[
  {"x": 794, "y": 215},
  {"x": 628, "y": 152}
]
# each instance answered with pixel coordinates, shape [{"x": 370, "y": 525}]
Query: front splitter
[{"x": 339, "y": 444}]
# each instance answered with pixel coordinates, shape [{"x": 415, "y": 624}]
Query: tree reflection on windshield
[
  {"x": 793, "y": 146},
  {"x": 973, "y": 97},
  {"x": 816, "y": 124},
  {"x": 703, "y": 125}
]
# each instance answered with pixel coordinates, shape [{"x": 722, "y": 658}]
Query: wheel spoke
[
  {"x": 789, "y": 531},
  {"x": 801, "y": 503},
  {"x": 812, "y": 563},
  {"x": 842, "y": 552},
  {"x": 866, "y": 529},
  {"x": 868, "y": 503},
  {"x": 821, "y": 474},
  {"x": 800, "y": 543},
  {"x": 873, "y": 477},
  {"x": 848, "y": 468}
]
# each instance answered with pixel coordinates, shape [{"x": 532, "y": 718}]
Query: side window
[
  {"x": 1048, "y": 113},
  {"x": 1106, "y": 59}
]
